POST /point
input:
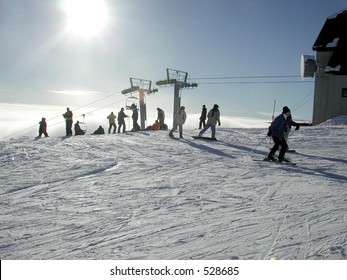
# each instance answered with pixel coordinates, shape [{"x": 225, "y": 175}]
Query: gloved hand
[
  {"x": 219, "y": 124},
  {"x": 297, "y": 127},
  {"x": 269, "y": 133}
]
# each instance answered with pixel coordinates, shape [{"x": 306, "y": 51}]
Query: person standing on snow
[
  {"x": 43, "y": 128},
  {"x": 161, "y": 118},
  {"x": 135, "y": 117},
  {"x": 202, "y": 118},
  {"x": 112, "y": 121},
  {"x": 179, "y": 120},
  {"x": 68, "y": 121},
  {"x": 213, "y": 117},
  {"x": 277, "y": 129},
  {"x": 121, "y": 121}
]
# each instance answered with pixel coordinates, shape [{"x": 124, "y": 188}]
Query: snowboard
[{"x": 204, "y": 138}]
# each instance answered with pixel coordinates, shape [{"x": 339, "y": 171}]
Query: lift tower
[
  {"x": 143, "y": 87},
  {"x": 178, "y": 79}
]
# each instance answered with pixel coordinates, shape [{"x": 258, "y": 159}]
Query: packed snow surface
[{"x": 145, "y": 196}]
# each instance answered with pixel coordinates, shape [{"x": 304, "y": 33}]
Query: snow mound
[{"x": 339, "y": 120}]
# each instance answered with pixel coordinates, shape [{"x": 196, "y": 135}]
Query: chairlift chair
[
  {"x": 83, "y": 125},
  {"x": 130, "y": 101}
]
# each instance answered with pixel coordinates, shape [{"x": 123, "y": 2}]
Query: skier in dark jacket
[
  {"x": 202, "y": 118},
  {"x": 68, "y": 120},
  {"x": 135, "y": 117},
  {"x": 277, "y": 129},
  {"x": 121, "y": 121},
  {"x": 161, "y": 119}
]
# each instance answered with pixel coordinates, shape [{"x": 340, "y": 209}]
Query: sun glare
[{"x": 86, "y": 17}]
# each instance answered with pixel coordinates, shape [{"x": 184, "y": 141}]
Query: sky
[{"x": 64, "y": 53}]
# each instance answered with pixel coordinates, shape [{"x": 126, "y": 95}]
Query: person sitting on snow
[
  {"x": 78, "y": 130},
  {"x": 100, "y": 130}
]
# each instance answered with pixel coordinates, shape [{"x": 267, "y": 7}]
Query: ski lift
[
  {"x": 83, "y": 125},
  {"x": 131, "y": 102}
]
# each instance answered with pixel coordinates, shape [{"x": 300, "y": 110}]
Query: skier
[
  {"x": 68, "y": 121},
  {"x": 161, "y": 118},
  {"x": 112, "y": 121},
  {"x": 276, "y": 130},
  {"x": 135, "y": 117},
  {"x": 43, "y": 128},
  {"x": 78, "y": 130},
  {"x": 121, "y": 121},
  {"x": 203, "y": 117},
  {"x": 179, "y": 120},
  {"x": 213, "y": 117}
]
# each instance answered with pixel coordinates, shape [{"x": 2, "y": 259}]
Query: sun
[{"x": 85, "y": 18}]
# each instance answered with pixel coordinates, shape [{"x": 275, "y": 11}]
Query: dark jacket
[
  {"x": 78, "y": 130},
  {"x": 121, "y": 117},
  {"x": 279, "y": 126},
  {"x": 68, "y": 115},
  {"x": 203, "y": 114},
  {"x": 100, "y": 130},
  {"x": 43, "y": 127}
]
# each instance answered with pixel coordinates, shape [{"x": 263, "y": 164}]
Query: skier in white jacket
[
  {"x": 213, "y": 117},
  {"x": 179, "y": 120}
]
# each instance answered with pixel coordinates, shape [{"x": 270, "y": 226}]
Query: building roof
[{"x": 333, "y": 38}]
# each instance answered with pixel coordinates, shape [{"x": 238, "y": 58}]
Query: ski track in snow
[{"x": 145, "y": 196}]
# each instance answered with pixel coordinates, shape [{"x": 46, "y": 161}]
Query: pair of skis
[{"x": 287, "y": 162}]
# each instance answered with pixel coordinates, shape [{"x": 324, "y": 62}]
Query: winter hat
[
  {"x": 215, "y": 106},
  {"x": 285, "y": 109}
]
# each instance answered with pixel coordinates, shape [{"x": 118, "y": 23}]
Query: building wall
[{"x": 328, "y": 100}]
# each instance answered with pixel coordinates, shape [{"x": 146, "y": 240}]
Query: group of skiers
[
  {"x": 121, "y": 121},
  {"x": 213, "y": 118},
  {"x": 278, "y": 130},
  {"x": 68, "y": 116}
]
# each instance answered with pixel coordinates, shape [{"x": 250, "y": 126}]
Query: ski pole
[{"x": 255, "y": 147}]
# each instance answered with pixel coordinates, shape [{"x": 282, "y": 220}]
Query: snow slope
[{"x": 145, "y": 196}]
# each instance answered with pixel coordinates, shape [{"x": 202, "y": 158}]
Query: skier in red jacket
[{"x": 43, "y": 128}]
